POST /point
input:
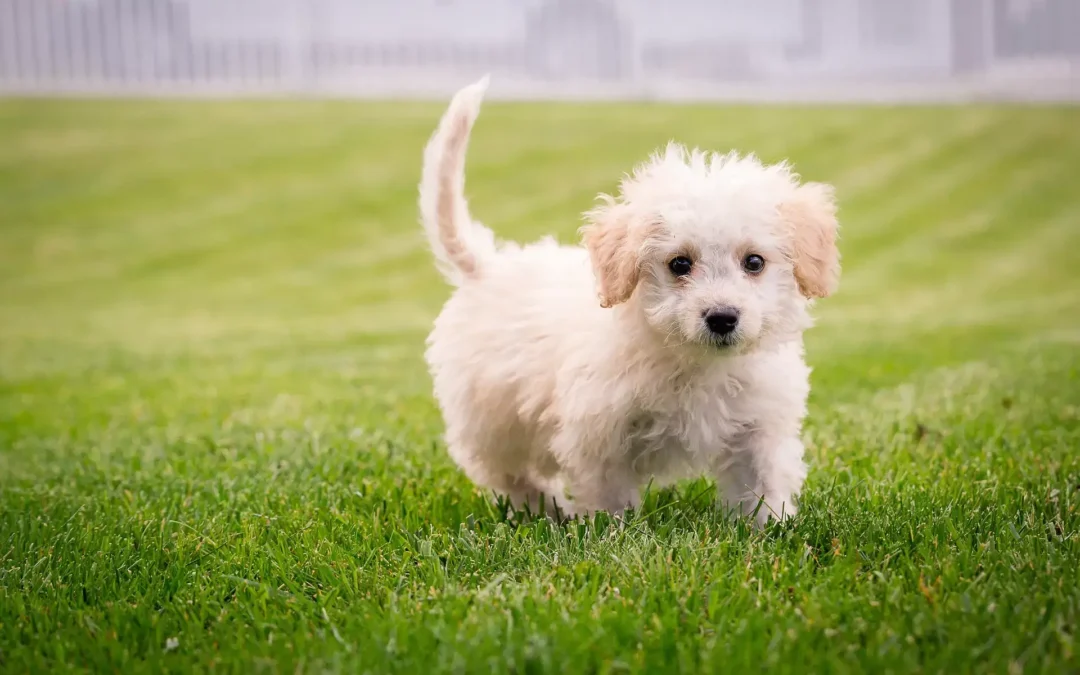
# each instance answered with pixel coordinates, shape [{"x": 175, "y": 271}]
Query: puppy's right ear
[{"x": 614, "y": 249}]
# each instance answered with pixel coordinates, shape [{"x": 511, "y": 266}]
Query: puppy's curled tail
[{"x": 460, "y": 245}]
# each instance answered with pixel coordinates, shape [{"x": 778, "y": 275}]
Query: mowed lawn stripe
[{"x": 981, "y": 210}]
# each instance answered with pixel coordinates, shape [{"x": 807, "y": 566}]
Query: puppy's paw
[
  {"x": 761, "y": 511},
  {"x": 777, "y": 510}
]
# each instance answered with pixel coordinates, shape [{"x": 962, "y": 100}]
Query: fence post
[{"x": 298, "y": 47}]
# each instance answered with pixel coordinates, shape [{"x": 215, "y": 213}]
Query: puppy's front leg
[
  {"x": 595, "y": 475},
  {"x": 604, "y": 488},
  {"x": 763, "y": 468}
]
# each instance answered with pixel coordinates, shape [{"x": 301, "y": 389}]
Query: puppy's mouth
[{"x": 724, "y": 342}]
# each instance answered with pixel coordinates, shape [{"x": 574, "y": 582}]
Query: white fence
[{"x": 752, "y": 49}]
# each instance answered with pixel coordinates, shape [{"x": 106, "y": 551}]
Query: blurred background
[
  {"x": 832, "y": 49},
  {"x": 218, "y": 444}
]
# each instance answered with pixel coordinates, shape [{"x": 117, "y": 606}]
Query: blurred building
[{"x": 545, "y": 48}]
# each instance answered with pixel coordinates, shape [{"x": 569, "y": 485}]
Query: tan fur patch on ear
[
  {"x": 613, "y": 247},
  {"x": 812, "y": 223}
]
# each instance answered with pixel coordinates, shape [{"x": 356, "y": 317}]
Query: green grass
[{"x": 219, "y": 450}]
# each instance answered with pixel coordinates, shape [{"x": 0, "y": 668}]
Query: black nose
[{"x": 722, "y": 321}]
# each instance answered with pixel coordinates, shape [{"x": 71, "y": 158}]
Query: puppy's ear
[
  {"x": 810, "y": 217},
  {"x": 614, "y": 248}
]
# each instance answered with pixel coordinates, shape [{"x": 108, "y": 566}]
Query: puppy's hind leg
[
  {"x": 534, "y": 497},
  {"x": 506, "y": 473}
]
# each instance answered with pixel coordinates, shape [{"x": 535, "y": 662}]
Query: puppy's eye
[
  {"x": 753, "y": 263},
  {"x": 680, "y": 265}
]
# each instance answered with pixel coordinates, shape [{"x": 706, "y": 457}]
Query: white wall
[{"x": 589, "y": 48}]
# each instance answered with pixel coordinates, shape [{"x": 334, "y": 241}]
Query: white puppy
[{"x": 689, "y": 362}]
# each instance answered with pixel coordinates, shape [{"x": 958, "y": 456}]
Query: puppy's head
[{"x": 715, "y": 250}]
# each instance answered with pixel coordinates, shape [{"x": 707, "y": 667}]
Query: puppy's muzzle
[{"x": 722, "y": 321}]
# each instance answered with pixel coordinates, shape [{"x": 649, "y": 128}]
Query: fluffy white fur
[{"x": 583, "y": 373}]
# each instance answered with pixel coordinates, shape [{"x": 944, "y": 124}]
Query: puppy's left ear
[
  {"x": 810, "y": 216},
  {"x": 614, "y": 245}
]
